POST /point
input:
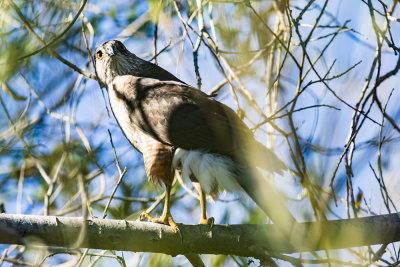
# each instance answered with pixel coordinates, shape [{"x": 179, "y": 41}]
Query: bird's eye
[{"x": 99, "y": 54}]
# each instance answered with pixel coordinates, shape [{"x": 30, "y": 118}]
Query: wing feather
[{"x": 182, "y": 116}]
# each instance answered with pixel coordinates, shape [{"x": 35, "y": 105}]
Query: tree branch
[{"x": 242, "y": 240}]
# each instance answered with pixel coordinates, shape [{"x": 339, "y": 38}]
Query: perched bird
[{"x": 178, "y": 127}]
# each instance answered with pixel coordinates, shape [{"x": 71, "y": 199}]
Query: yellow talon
[
  {"x": 209, "y": 221},
  {"x": 166, "y": 217}
]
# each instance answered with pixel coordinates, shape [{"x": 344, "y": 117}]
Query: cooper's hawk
[{"x": 176, "y": 126}]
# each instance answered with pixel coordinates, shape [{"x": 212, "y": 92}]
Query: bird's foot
[
  {"x": 207, "y": 221},
  {"x": 164, "y": 219}
]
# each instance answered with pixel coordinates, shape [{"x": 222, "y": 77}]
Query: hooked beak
[{"x": 110, "y": 50}]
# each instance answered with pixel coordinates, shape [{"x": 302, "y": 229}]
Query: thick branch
[{"x": 243, "y": 240}]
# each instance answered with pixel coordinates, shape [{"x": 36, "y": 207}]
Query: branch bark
[{"x": 242, "y": 240}]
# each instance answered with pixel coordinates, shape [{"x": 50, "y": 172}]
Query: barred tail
[
  {"x": 255, "y": 185},
  {"x": 267, "y": 198},
  {"x": 266, "y": 159}
]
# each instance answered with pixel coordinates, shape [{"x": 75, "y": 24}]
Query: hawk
[{"x": 178, "y": 127}]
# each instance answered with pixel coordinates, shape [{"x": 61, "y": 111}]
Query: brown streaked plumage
[
  {"x": 177, "y": 126},
  {"x": 158, "y": 162}
]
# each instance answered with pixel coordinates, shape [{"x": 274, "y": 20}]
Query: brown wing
[
  {"x": 181, "y": 116},
  {"x": 150, "y": 70}
]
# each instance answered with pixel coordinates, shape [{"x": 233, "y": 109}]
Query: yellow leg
[
  {"x": 203, "y": 206},
  {"x": 166, "y": 217}
]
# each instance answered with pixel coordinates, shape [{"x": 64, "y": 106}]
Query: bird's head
[{"x": 113, "y": 59}]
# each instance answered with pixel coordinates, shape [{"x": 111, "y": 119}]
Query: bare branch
[{"x": 243, "y": 240}]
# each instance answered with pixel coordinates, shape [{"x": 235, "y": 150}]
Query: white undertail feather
[{"x": 211, "y": 170}]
